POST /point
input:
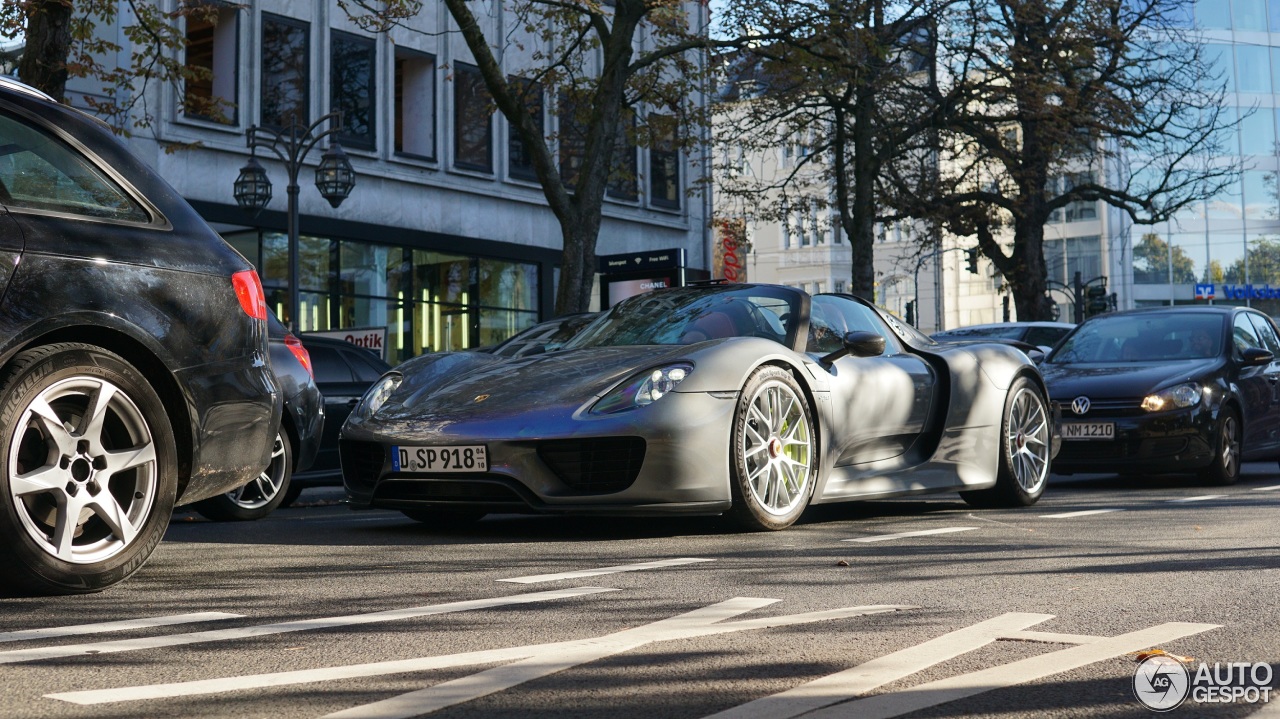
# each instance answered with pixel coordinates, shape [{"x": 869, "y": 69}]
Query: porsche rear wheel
[
  {"x": 90, "y": 470},
  {"x": 774, "y": 448},
  {"x": 1024, "y": 451},
  {"x": 1225, "y": 468},
  {"x": 260, "y": 496}
]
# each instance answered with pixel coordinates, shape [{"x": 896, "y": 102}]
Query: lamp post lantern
[{"x": 334, "y": 180}]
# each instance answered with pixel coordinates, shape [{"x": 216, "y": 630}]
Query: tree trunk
[
  {"x": 1028, "y": 279},
  {"x": 862, "y": 211},
  {"x": 44, "y": 60},
  {"x": 578, "y": 263}
]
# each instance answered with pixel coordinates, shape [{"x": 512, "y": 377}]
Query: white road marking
[
  {"x": 1084, "y": 513},
  {"x": 942, "y": 691},
  {"x": 1198, "y": 498},
  {"x": 98, "y": 628},
  {"x": 903, "y": 535},
  {"x": 868, "y": 676},
  {"x": 222, "y": 635},
  {"x": 604, "y": 570},
  {"x": 1267, "y": 489},
  {"x": 706, "y": 621}
]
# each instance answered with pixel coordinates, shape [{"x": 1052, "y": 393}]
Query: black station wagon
[{"x": 133, "y": 367}]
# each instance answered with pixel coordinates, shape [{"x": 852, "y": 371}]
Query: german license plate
[
  {"x": 1089, "y": 430},
  {"x": 462, "y": 458}
]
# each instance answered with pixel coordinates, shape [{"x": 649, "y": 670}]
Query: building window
[
  {"x": 1080, "y": 210},
  {"x": 472, "y": 120},
  {"x": 519, "y": 157},
  {"x": 624, "y": 170},
  {"x": 210, "y": 88},
  {"x": 664, "y": 162},
  {"x": 572, "y": 138},
  {"x": 286, "y": 72},
  {"x": 415, "y": 98},
  {"x": 352, "y": 87},
  {"x": 839, "y": 287}
]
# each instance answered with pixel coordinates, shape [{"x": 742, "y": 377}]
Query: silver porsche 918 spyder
[{"x": 757, "y": 400}]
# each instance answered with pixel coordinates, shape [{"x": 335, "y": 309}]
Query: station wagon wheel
[
  {"x": 90, "y": 469},
  {"x": 774, "y": 451},
  {"x": 1225, "y": 468},
  {"x": 1025, "y": 450},
  {"x": 261, "y": 495}
]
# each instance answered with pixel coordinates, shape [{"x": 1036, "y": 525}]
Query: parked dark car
[
  {"x": 1041, "y": 334},
  {"x": 343, "y": 372},
  {"x": 133, "y": 353},
  {"x": 755, "y": 400},
  {"x": 1187, "y": 389},
  {"x": 544, "y": 336},
  {"x": 296, "y": 444}
]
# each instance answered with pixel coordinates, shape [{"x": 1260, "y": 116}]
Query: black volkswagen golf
[
  {"x": 133, "y": 367},
  {"x": 1168, "y": 390}
]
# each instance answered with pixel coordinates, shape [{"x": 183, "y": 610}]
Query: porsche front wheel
[
  {"x": 1024, "y": 451},
  {"x": 774, "y": 449},
  {"x": 90, "y": 470}
]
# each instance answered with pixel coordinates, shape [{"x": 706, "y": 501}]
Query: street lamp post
[{"x": 334, "y": 180}]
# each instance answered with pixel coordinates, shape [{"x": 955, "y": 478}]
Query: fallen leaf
[
  {"x": 842, "y": 563},
  {"x": 1140, "y": 657},
  {"x": 1198, "y": 528}
]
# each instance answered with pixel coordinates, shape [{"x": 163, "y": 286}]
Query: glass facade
[
  {"x": 428, "y": 301},
  {"x": 1231, "y": 241}
]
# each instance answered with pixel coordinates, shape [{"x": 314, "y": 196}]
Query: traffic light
[
  {"x": 1097, "y": 301},
  {"x": 971, "y": 258}
]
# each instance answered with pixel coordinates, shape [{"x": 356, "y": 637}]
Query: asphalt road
[{"x": 318, "y": 610}]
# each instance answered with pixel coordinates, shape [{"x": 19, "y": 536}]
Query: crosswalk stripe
[
  {"x": 533, "y": 579},
  {"x": 120, "y": 626},
  {"x": 1083, "y": 513},
  {"x": 1198, "y": 498},
  {"x": 1267, "y": 489},
  {"x": 904, "y": 535}
]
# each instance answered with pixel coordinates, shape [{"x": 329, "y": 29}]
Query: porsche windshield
[
  {"x": 687, "y": 315},
  {"x": 1144, "y": 337}
]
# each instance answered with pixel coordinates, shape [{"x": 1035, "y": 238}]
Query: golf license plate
[
  {"x": 461, "y": 458},
  {"x": 1088, "y": 430}
]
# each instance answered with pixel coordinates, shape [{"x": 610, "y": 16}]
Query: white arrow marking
[
  {"x": 222, "y": 635},
  {"x": 604, "y": 570},
  {"x": 98, "y": 628}
]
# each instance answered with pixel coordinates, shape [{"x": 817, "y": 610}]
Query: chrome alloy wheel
[
  {"x": 777, "y": 449},
  {"x": 1229, "y": 447},
  {"x": 1027, "y": 440},
  {"x": 83, "y": 471},
  {"x": 259, "y": 492}
]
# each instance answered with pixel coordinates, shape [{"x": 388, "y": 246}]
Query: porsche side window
[
  {"x": 1266, "y": 332},
  {"x": 39, "y": 172},
  {"x": 845, "y": 315},
  {"x": 1244, "y": 334},
  {"x": 824, "y": 335}
]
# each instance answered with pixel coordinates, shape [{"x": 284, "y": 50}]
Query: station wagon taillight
[
  {"x": 249, "y": 291},
  {"x": 304, "y": 357}
]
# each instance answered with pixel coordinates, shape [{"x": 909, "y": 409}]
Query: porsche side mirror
[
  {"x": 858, "y": 344},
  {"x": 1256, "y": 357}
]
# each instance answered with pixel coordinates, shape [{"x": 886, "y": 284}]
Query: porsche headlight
[
  {"x": 643, "y": 389},
  {"x": 377, "y": 395},
  {"x": 1184, "y": 395}
]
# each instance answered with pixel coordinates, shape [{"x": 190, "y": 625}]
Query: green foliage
[{"x": 1151, "y": 259}]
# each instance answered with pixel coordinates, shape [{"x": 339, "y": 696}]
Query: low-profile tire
[
  {"x": 260, "y": 496},
  {"x": 445, "y": 518},
  {"x": 90, "y": 470},
  {"x": 774, "y": 451},
  {"x": 1225, "y": 468},
  {"x": 1024, "y": 450}
]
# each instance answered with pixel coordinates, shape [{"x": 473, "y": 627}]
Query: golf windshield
[{"x": 1154, "y": 337}]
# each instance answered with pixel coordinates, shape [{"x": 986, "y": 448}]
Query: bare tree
[
  {"x": 840, "y": 100},
  {"x": 1114, "y": 95}
]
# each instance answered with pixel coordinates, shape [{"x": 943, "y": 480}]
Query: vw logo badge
[{"x": 1080, "y": 404}]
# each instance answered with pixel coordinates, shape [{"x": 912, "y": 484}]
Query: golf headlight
[
  {"x": 377, "y": 395},
  {"x": 1184, "y": 395},
  {"x": 643, "y": 389}
]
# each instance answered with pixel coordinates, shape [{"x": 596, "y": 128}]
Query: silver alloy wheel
[
  {"x": 259, "y": 491},
  {"x": 83, "y": 471},
  {"x": 1229, "y": 447},
  {"x": 777, "y": 449},
  {"x": 1027, "y": 440}
]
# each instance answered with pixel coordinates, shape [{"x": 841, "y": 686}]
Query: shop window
[
  {"x": 513, "y": 285},
  {"x": 314, "y": 261},
  {"x": 286, "y": 72},
  {"x": 519, "y": 157},
  {"x": 368, "y": 269},
  {"x": 664, "y": 162},
  {"x": 472, "y": 120},
  {"x": 415, "y": 98},
  {"x": 210, "y": 87},
  {"x": 352, "y": 88}
]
